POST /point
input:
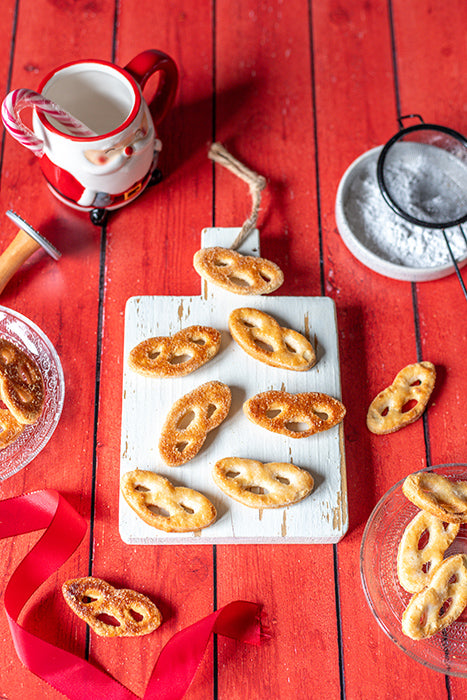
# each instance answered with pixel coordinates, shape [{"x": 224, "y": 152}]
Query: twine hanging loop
[{"x": 219, "y": 154}]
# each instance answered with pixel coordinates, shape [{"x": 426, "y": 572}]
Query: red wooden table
[{"x": 296, "y": 90}]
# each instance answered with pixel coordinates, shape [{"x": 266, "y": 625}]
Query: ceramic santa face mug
[{"x": 93, "y": 131}]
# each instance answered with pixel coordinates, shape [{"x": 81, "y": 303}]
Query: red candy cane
[{"x": 17, "y": 100}]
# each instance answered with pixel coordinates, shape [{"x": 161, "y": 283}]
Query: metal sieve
[{"x": 422, "y": 175}]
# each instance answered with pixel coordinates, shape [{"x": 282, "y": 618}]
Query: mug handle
[{"x": 145, "y": 64}]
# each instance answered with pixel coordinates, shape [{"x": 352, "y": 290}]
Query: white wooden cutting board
[{"x": 320, "y": 518}]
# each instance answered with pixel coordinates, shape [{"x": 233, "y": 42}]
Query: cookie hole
[
  {"x": 445, "y": 505},
  {"x": 452, "y": 580},
  {"x": 24, "y": 374},
  {"x": 141, "y": 488},
  {"x": 187, "y": 509},
  {"x": 321, "y": 416},
  {"x": 426, "y": 567},
  {"x": 180, "y": 446},
  {"x": 263, "y": 346},
  {"x": 423, "y": 540},
  {"x": 231, "y": 474},
  {"x": 273, "y": 412},
  {"x": 198, "y": 341},
  {"x": 417, "y": 382},
  {"x": 290, "y": 348},
  {"x": 296, "y": 426},
  {"x": 24, "y": 395},
  {"x": 239, "y": 282},
  {"x": 108, "y": 620},
  {"x": 265, "y": 277},
  {"x": 282, "y": 479},
  {"x": 409, "y": 405},
  {"x": 258, "y": 490},
  {"x": 86, "y": 599},
  {"x": 247, "y": 324},
  {"x": 422, "y": 619},
  {"x": 185, "y": 420},
  {"x": 179, "y": 359},
  {"x": 157, "y": 510},
  {"x": 445, "y": 607},
  {"x": 153, "y": 354},
  {"x": 385, "y": 411},
  {"x": 211, "y": 410},
  {"x": 6, "y": 355},
  {"x": 135, "y": 615},
  {"x": 221, "y": 263}
]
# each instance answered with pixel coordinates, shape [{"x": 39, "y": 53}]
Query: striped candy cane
[{"x": 17, "y": 100}]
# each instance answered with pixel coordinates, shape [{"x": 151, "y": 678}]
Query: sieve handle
[
  {"x": 400, "y": 120},
  {"x": 458, "y": 273}
]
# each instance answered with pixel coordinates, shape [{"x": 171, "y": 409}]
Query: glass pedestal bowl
[
  {"x": 446, "y": 651},
  {"x": 29, "y": 338}
]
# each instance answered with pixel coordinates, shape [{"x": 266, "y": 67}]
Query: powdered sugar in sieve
[{"x": 382, "y": 239}]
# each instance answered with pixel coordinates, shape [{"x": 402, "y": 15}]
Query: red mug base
[{"x": 117, "y": 201}]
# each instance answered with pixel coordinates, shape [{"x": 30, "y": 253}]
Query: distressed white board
[{"x": 320, "y": 518}]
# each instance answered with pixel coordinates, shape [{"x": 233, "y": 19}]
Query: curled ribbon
[{"x": 71, "y": 675}]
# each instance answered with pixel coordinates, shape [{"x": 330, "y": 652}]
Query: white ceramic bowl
[{"x": 358, "y": 240}]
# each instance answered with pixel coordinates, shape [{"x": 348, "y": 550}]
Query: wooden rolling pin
[{"x": 25, "y": 243}]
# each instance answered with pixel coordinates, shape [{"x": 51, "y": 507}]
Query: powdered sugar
[{"x": 388, "y": 235}]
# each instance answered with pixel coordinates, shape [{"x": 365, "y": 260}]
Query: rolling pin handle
[{"x": 25, "y": 243}]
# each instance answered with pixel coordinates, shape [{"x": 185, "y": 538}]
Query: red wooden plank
[
  {"x": 6, "y": 34},
  {"x": 295, "y": 584},
  {"x": 431, "y": 58},
  {"x": 267, "y": 122},
  {"x": 149, "y": 250},
  {"x": 264, "y": 116},
  {"x": 62, "y": 298},
  {"x": 356, "y": 111}
]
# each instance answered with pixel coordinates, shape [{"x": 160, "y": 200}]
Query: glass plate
[
  {"x": 27, "y": 336},
  {"x": 445, "y": 651}
]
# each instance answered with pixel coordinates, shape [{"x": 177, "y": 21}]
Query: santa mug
[{"x": 93, "y": 130}]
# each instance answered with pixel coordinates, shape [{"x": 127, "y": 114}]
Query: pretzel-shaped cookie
[
  {"x": 285, "y": 413},
  {"x": 259, "y": 335},
  {"x": 92, "y": 599},
  {"x": 443, "y": 498},
  {"x": 237, "y": 273},
  {"x": 421, "y": 549},
  {"x": 392, "y": 408},
  {"x": 21, "y": 385},
  {"x": 175, "y": 356},
  {"x": 440, "y": 603},
  {"x": 258, "y": 485},
  {"x": 165, "y": 506},
  {"x": 190, "y": 419},
  {"x": 10, "y": 428}
]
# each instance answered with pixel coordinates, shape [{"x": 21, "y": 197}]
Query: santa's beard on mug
[{"x": 118, "y": 173}]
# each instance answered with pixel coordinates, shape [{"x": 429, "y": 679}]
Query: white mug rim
[{"x": 123, "y": 73}]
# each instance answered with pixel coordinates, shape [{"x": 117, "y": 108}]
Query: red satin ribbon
[{"x": 74, "y": 677}]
